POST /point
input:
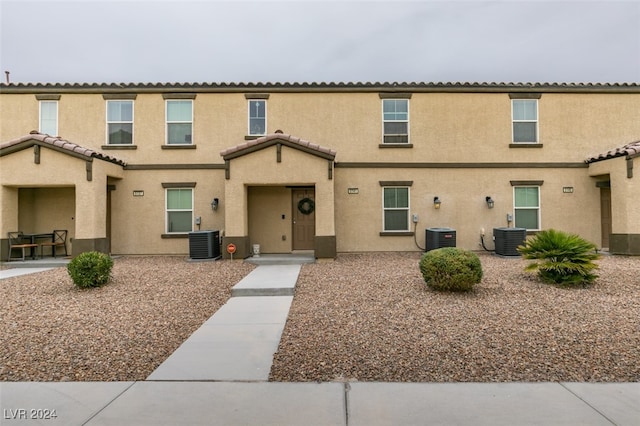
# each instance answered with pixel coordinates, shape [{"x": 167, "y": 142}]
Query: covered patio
[{"x": 48, "y": 184}]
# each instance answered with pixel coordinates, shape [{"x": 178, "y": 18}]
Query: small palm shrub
[
  {"x": 450, "y": 269},
  {"x": 564, "y": 259},
  {"x": 90, "y": 269}
]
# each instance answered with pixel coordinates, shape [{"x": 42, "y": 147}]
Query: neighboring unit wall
[
  {"x": 462, "y": 192},
  {"x": 625, "y": 197}
]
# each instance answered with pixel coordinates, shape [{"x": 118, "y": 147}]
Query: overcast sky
[{"x": 320, "y": 41}]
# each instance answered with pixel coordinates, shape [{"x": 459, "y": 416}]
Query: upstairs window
[
  {"x": 179, "y": 122},
  {"x": 119, "y": 122},
  {"x": 525, "y": 120},
  {"x": 395, "y": 208},
  {"x": 49, "y": 117},
  {"x": 179, "y": 210},
  {"x": 257, "y": 117},
  {"x": 527, "y": 207},
  {"x": 395, "y": 118}
]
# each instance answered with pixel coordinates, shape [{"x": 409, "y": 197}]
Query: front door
[
  {"x": 605, "y": 215},
  {"x": 304, "y": 218}
]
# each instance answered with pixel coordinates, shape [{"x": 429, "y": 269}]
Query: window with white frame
[
  {"x": 526, "y": 206},
  {"x": 395, "y": 208},
  {"x": 257, "y": 117},
  {"x": 49, "y": 117},
  {"x": 179, "y": 122},
  {"x": 119, "y": 122},
  {"x": 179, "y": 209},
  {"x": 525, "y": 120},
  {"x": 395, "y": 120}
]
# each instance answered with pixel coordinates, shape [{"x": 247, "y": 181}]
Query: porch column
[
  {"x": 91, "y": 216},
  {"x": 236, "y": 219},
  {"x": 325, "y": 239},
  {"x": 8, "y": 217},
  {"x": 625, "y": 229}
]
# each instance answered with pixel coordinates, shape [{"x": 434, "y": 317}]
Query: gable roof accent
[
  {"x": 56, "y": 143},
  {"x": 275, "y": 139},
  {"x": 631, "y": 150}
]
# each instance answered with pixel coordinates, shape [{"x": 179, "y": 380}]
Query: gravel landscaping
[
  {"x": 366, "y": 317},
  {"x": 52, "y": 331},
  {"x": 370, "y": 317}
]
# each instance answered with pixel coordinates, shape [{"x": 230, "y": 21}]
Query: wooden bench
[
  {"x": 59, "y": 240},
  {"x": 16, "y": 241}
]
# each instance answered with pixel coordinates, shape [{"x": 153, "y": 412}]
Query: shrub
[
  {"x": 565, "y": 259},
  {"x": 451, "y": 269},
  {"x": 90, "y": 269}
]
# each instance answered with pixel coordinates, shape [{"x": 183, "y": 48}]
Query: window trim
[
  {"x": 538, "y": 208},
  {"x": 133, "y": 142},
  {"x": 256, "y": 99},
  {"x": 384, "y": 209},
  {"x": 168, "y": 188},
  {"x": 536, "y": 121},
  {"x": 408, "y": 134},
  {"x": 40, "y": 127},
  {"x": 167, "y": 122}
]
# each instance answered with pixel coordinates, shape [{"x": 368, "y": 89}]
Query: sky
[{"x": 298, "y": 41}]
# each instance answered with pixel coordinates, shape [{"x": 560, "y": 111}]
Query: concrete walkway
[{"x": 219, "y": 376}]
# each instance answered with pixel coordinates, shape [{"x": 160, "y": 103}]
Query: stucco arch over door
[{"x": 279, "y": 161}]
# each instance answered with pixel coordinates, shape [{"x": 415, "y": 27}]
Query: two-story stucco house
[{"x": 344, "y": 167}]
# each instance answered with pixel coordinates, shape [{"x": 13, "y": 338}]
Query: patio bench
[{"x": 17, "y": 241}]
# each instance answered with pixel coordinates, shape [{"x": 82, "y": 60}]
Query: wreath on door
[{"x": 306, "y": 206}]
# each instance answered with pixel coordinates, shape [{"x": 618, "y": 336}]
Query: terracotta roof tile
[
  {"x": 632, "y": 148},
  {"x": 272, "y": 139},
  {"x": 64, "y": 145}
]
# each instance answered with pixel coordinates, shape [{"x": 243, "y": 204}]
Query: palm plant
[{"x": 565, "y": 259}]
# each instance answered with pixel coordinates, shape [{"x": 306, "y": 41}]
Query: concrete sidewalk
[
  {"x": 219, "y": 376},
  {"x": 349, "y": 404}
]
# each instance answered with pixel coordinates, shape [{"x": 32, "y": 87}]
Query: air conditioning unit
[
  {"x": 440, "y": 237},
  {"x": 507, "y": 240},
  {"x": 204, "y": 244}
]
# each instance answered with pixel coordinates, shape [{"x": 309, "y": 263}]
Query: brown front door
[
  {"x": 304, "y": 218},
  {"x": 605, "y": 215}
]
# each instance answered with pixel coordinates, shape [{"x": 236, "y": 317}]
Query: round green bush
[
  {"x": 451, "y": 269},
  {"x": 90, "y": 269}
]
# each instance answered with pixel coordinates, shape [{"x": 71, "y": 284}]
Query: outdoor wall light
[
  {"x": 214, "y": 204},
  {"x": 489, "y": 201},
  {"x": 436, "y": 202}
]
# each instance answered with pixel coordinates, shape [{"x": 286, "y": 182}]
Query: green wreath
[{"x": 306, "y": 206}]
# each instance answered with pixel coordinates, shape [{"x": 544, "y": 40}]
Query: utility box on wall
[
  {"x": 440, "y": 237},
  {"x": 204, "y": 244},
  {"x": 507, "y": 240}
]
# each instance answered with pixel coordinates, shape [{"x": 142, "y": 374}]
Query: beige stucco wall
[
  {"x": 463, "y": 192},
  {"x": 444, "y": 127},
  {"x": 139, "y": 222}
]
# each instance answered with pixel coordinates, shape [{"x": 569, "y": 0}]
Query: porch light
[
  {"x": 214, "y": 204},
  {"x": 436, "y": 202},
  {"x": 489, "y": 201}
]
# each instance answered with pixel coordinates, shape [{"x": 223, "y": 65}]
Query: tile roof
[
  {"x": 57, "y": 143},
  {"x": 273, "y": 139},
  {"x": 632, "y": 148},
  {"x": 222, "y": 87}
]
